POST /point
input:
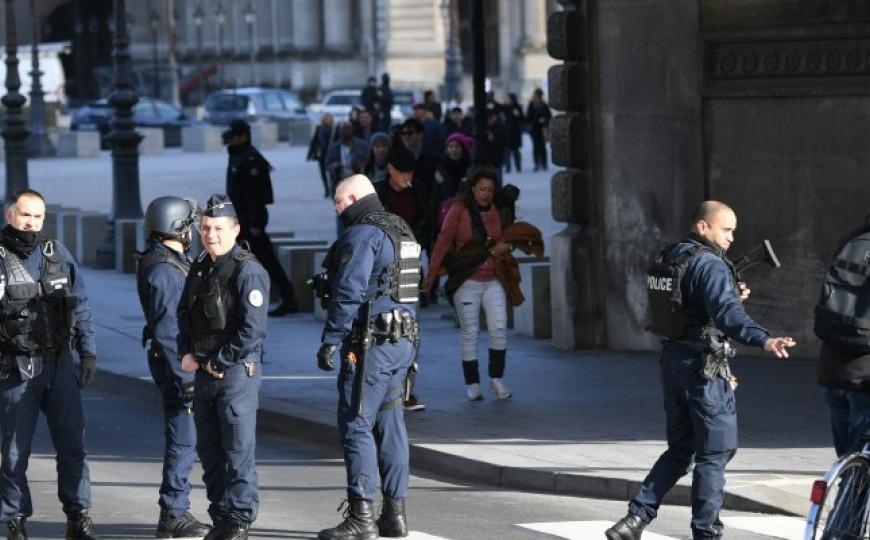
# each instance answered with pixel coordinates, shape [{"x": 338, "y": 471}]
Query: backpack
[{"x": 843, "y": 311}]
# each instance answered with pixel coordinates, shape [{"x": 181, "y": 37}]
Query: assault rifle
[{"x": 762, "y": 253}]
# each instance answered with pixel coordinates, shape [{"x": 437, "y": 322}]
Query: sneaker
[
  {"x": 414, "y": 404},
  {"x": 473, "y": 391},
  {"x": 499, "y": 389}
]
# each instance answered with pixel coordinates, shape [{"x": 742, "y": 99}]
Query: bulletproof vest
[
  {"x": 401, "y": 279},
  {"x": 842, "y": 317},
  {"x": 212, "y": 302},
  {"x": 670, "y": 317},
  {"x": 37, "y": 315},
  {"x": 145, "y": 260}
]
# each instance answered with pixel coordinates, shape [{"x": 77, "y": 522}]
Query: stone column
[
  {"x": 307, "y": 25},
  {"x": 338, "y": 31},
  {"x": 533, "y": 24}
]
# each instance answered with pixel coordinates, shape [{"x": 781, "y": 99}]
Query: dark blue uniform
[
  {"x": 160, "y": 285},
  {"x": 56, "y": 392},
  {"x": 701, "y": 414},
  {"x": 375, "y": 442},
  {"x": 225, "y": 410}
]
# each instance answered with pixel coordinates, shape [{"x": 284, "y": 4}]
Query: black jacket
[
  {"x": 423, "y": 222},
  {"x": 249, "y": 185}
]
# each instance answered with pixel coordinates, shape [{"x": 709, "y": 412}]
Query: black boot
[
  {"x": 217, "y": 532},
  {"x": 628, "y": 528},
  {"x": 16, "y": 529},
  {"x": 235, "y": 531},
  {"x": 392, "y": 523},
  {"x": 358, "y": 524},
  {"x": 183, "y": 526},
  {"x": 80, "y": 527}
]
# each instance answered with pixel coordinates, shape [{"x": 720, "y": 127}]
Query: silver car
[{"x": 253, "y": 104}]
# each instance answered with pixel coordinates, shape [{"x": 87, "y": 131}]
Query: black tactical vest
[
  {"x": 843, "y": 311},
  {"x": 146, "y": 260},
  {"x": 37, "y": 316},
  {"x": 212, "y": 302},
  {"x": 670, "y": 317}
]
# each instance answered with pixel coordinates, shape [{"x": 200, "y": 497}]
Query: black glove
[
  {"x": 187, "y": 389},
  {"x": 326, "y": 357},
  {"x": 87, "y": 370}
]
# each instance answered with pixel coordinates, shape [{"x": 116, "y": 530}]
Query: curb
[{"x": 445, "y": 465}]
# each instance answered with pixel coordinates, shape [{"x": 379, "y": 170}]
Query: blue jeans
[{"x": 850, "y": 417}]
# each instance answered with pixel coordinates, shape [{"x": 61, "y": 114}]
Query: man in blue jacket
[
  {"x": 44, "y": 315},
  {"x": 696, "y": 380},
  {"x": 374, "y": 264},
  {"x": 160, "y": 277}
]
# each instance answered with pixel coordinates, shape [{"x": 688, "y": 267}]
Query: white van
[{"x": 53, "y": 80}]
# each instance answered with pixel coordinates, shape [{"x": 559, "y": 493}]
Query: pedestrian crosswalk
[{"x": 779, "y": 527}]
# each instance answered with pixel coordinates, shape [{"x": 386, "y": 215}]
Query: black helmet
[{"x": 170, "y": 218}]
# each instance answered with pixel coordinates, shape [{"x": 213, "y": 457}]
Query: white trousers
[{"x": 468, "y": 300}]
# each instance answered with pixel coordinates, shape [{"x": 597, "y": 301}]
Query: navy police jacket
[
  {"x": 160, "y": 293},
  {"x": 709, "y": 284},
  {"x": 362, "y": 255}
]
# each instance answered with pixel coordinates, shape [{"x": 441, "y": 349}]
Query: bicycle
[{"x": 840, "y": 509}]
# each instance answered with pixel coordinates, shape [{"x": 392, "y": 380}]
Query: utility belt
[
  {"x": 717, "y": 351},
  {"x": 206, "y": 345},
  {"x": 29, "y": 365},
  {"x": 390, "y": 326}
]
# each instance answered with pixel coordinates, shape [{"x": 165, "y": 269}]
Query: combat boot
[
  {"x": 628, "y": 528},
  {"x": 183, "y": 526},
  {"x": 359, "y": 523},
  {"x": 16, "y": 529},
  {"x": 235, "y": 531},
  {"x": 392, "y": 523},
  {"x": 80, "y": 527}
]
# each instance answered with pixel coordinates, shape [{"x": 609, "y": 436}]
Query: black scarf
[
  {"x": 703, "y": 241},
  {"x": 21, "y": 242},
  {"x": 361, "y": 208}
]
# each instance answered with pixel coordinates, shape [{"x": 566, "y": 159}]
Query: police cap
[{"x": 219, "y": 205}]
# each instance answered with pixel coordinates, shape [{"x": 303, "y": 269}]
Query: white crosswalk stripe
[
  {"x": 787, "y": 528},
  {"x": 781, "y": 527},
  {"x": 582, "y": 530},
  {"x": 416, "y": 535}
]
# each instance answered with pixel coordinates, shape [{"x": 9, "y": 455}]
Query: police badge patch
[{"x": 255, "y": 298}]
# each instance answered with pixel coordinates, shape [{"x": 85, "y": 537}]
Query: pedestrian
[
  {"x": 373, "y": 271},
  {"x": 450, "y": 176},
  {"x": 538, "y": 116},
  {"x": 347, "y": 156},
  {"x": 430, "y": 100},
  {"x": 433, "y": 133},
  {"x": 370, "y": 99},
  {"x": 249, "y": 187},
  {"x": 160, "y": 277},
  {"x": 376, "y": 164},
  {"x": 222, "y": 326},
  {"x": 515, "y": 120},
  {"x": 427, "y": 158},
  {"x": 386, "y": 101},
  {"x": 323, "y": 137},
  {"x": 456, "y": 121},
  {"x": 45, "y": 315},
  {"x": 844, "y": 360},
  {"x": 458, "y": 102},
  {"x": 495, "y": 142},
  {"x": 696, "y": 378},
  {"x": 471, "y": 234}
]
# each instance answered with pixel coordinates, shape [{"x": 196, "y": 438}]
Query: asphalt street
[{"x": 301, "y": 487}]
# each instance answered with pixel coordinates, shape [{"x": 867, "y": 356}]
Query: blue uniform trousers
[
  {"x": 701, "y": 424},
  {"x": 375, "y": 443},
  {"x": 56, "y": 392},
  {"x": 179, "y": 431},
  {"x": 225, "y": 411}
]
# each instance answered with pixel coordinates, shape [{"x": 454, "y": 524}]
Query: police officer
[
  {"x": 249, "y": 187},
  {"x": 222, "y": 325},
  {"x": 160, "y": 277},
  {"x": 44, "y": 314},
  {"x": 697, "y": 384},
  {"x": 373, "y": 270}
]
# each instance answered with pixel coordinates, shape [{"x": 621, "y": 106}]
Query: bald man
[
  {"x": 373, "y": 271},
  {"x": 697, "y": 384}
]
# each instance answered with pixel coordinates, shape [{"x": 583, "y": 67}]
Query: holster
[
  {"x": 717, "y": 352},
  {"x": 395, "y": 325}
]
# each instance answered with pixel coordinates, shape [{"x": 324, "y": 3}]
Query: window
[
  {"x": 343, "y": 99},
  {"x": 273, "y": 102},
  {"x": 227, "y": 102}
]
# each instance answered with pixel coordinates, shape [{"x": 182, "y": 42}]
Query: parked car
[
  {"x": 339, "y": 103},
  {"x": 148, "y": 112},
  {"x": 253, "y": 104},
  {"x": 403, "y": 105}
]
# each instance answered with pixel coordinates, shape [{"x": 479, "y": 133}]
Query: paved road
[{"x": 302, "y": 485}]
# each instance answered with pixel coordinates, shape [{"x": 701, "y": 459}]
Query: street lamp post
[
  {"x": 39, "y": 143},
  {"x": 478, "y": 58},
  {"x": 221, "y": 18},
  {"x": 14, "y": 132},
  {"x": 250, "y": 20},
  {"x": 126, "y": 201},
  {"x": 452, "y": 59},
  {"x": 197, "y": 21},
  {"x": 154, "y": 20}
]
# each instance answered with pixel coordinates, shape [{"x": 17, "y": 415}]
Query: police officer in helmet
[
  {"x": 695, "y": 277},
  {"x": 222, "y": 325},
  {"x": 160, "y": 277},
  {"x": 249, "y": 187},
  {"x": 373, "y": 272},
  {"x": 44, "y": 315}
]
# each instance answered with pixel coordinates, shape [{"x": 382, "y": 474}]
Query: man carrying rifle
[
  {"x": 373, "y": 274},
  {"x": 696, "y": 307}
]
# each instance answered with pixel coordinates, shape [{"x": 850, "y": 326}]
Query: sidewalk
[{"x": 580, "y": 423}]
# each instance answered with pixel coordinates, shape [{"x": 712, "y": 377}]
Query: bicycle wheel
[{"x": 843, "y": 512}]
